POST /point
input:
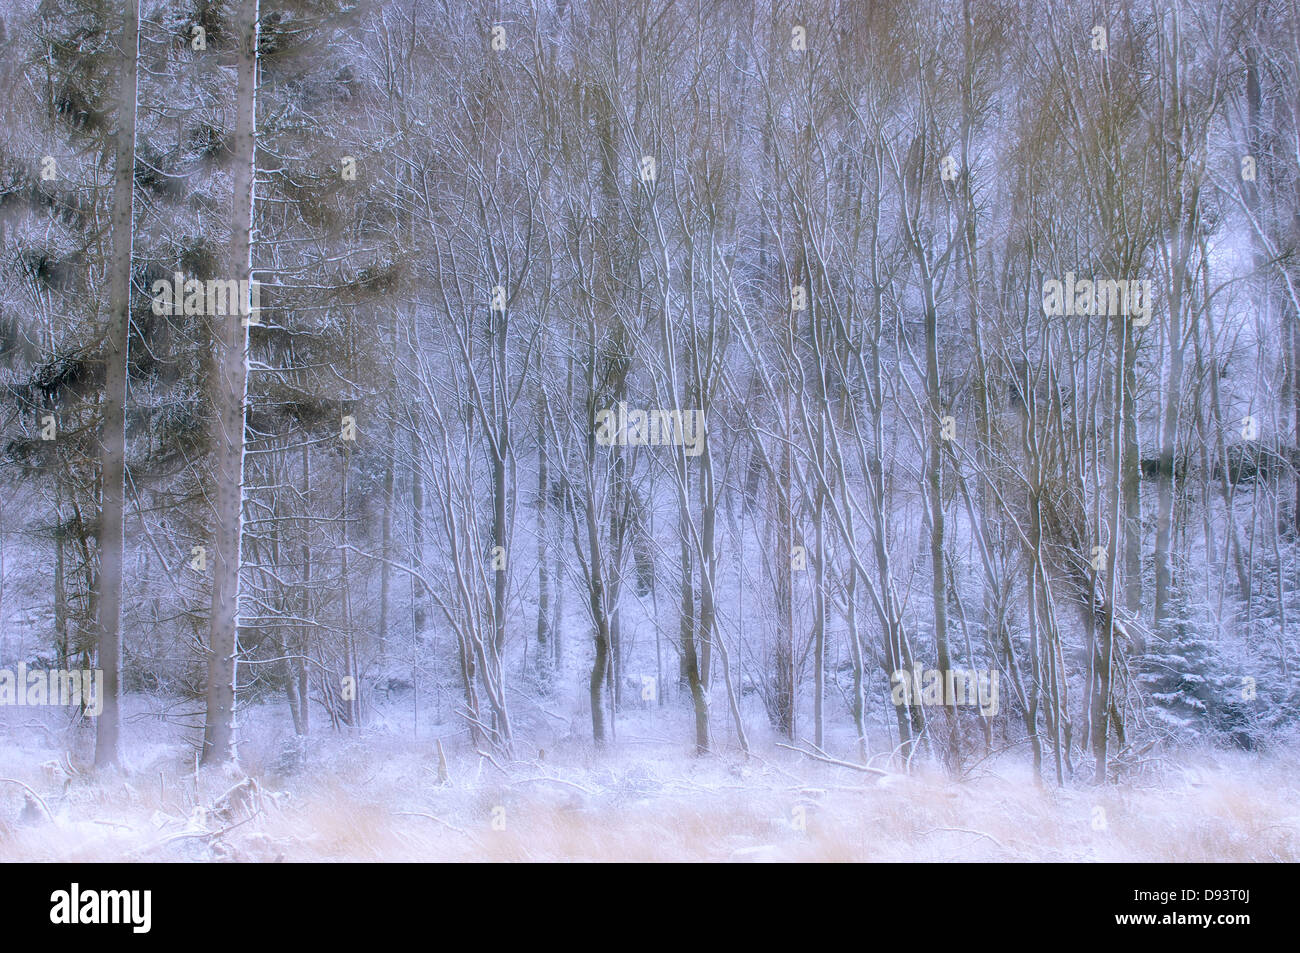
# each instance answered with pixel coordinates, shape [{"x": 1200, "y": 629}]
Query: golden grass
[{"x": 656, "y": 804}]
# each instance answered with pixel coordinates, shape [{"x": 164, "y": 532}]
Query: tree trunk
[
  {"x": 231, "y": 387},
  {"x": 386, "y": 551},
  {"x": 113, "y": 442},
  {"x": 545, "y": 662}
]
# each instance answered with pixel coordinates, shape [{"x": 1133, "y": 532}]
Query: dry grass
[{"x": 648, "y": 802}]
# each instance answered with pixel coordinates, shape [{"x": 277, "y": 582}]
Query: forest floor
[{"x": 377, "y": 796}]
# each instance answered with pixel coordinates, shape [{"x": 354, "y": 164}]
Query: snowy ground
[{"x": 376, "y": 795}]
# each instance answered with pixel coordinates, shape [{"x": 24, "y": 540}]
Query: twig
[
  {"x": 835, "y": 761},
  {"x": 484, "y": 754},
  {"x": 445, "y": 824},
  {"x": 963, "y": 830}
]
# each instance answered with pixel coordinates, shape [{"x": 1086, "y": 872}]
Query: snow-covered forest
[{"x": 649, "y": 429}]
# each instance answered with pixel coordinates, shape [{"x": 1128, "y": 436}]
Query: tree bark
[
  {"x": 231, "y": 386},
  {"x": 113, "y": 442}
]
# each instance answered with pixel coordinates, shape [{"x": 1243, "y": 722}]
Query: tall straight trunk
[
  {"x": 819, "y": 534},
  {"x": 1035, "y": 641},
  {"x": 708, "y": 563},
  {"x": 350, "y": 667},
  {"x": 113, "y": 442},
  {"x": 896, "y": 652},
  {"x": 60, "y": 592},
  {"x": 859, "y": 665},
  {"x": 1266, "y": 217},
  {"x": 287, "y": 635},
  {"x": 1184, "y": 212},
  {"x": 278, "y": 476},
  {"x": 690, "y": 657},
  {"x": 557, "y": 614},
  {"x": 1130, "y": 482},
  {"x": 847, "y": 423},
  {"x": 1293, "y": 319},
  {"x": 501, "y": 487},
  {"x": 611, "y": 247},
  {"x": 1167, "y": 480},
  {"x": 783, "y": 653},
  {"x": 1037, "y": 612},
  {"x": 303, "y": 648},
  {"x": 709, "y": 579},
  {"x": 1291, "y": 337},
  {"x": 819, "y": 617},
  {"x": 980, "y": 382},
  {"x": 386, "y": 544},
  {"x": 939, "y": 583},
  {"x": 231, "y": 391},
  {"x": 545, "y": 663},
  {"x": 686, "y": 613},
  {"x": 418, "y": 614},
  {"x": 599, "y": 611},
  {"x": 389, "y": 504},
  {"x": 557, "y": 609},
  {"x": 1102, "y": 705},
  {"x": 619, "y": 494}
]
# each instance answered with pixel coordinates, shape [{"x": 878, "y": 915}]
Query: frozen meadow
[{"x": 380, "y": 795}]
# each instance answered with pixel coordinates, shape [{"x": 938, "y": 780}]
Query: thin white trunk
[{"x": 231, "y": 389}]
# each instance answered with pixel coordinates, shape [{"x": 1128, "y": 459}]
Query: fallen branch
[
  {"x": 827, "y": 759},
  {"x": 963, "y": 830},
  {"x": 445, "y": 824},
  {"x": 183, "y": 835}
]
